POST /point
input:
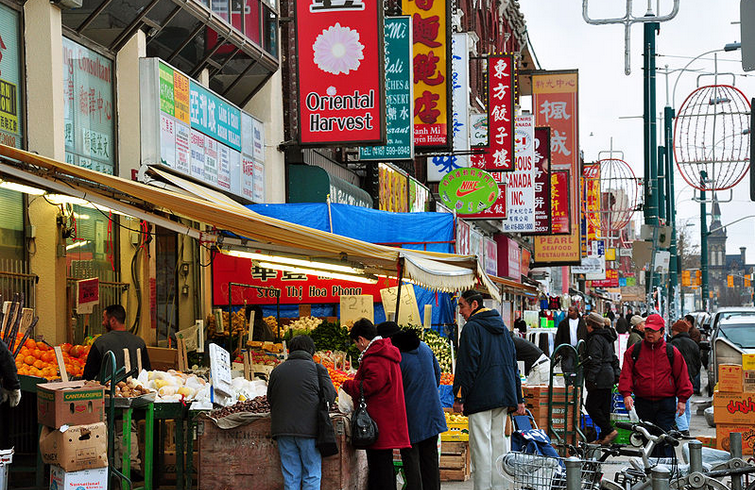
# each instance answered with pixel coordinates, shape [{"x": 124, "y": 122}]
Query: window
[{"x": 91, "y": 248}]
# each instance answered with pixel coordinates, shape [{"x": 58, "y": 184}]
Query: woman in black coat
[{"x": 599, "y": 376}]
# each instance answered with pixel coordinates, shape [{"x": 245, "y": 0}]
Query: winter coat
[
  {"x": 487, "y": 375},
  {"x": 116, "y": 341},
  {"x": 563, "y": 335},
  {"x": 8, "y": 371},
  {"x": 622, "y": 325},
  {"x": 653, "y": 378},
  {"x": 599, "y": 365},
  {"x": 526, "y": 352},
  {"x": 634, "y": 337},
  {"x": 293, "y": 394},
  {"x": 380, "y": 372},
  {"x": 690, "y": 351},
  {"x": 421, "y": 376}
]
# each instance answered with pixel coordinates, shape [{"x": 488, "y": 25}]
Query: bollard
[
  {"x": 695, "y": 456},
  {"x": 660, "y": 478},
  {"x": 573, "y": 473},
  {"x": 735, "y": 448}
]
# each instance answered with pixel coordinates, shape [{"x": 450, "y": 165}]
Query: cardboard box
[
  {"x": 748, "y": 436},
  {"x": 707, "y": 441},
  {"x": 734, "y": 408},
  {"x": 76, "y": 480},
  {"x": 457, "y": 431},
  {"x": 749, "y": 381},
  {"x": 80, "y": 447},
  {"x": 748, "y": 362},
  {"x": 71, "y": 403},
  {"x": 161, "y": 358},
  {"x": 730, "y": 378}
]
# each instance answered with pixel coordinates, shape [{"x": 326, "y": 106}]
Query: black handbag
[
  {"x": 364, "y": 430},
  {"x": 326, "y": 435}
]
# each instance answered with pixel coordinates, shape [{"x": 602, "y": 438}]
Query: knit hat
[
  {"x": 387, "y": 329},
  {"x": 595, "y": 320},
  {"x": 636, "y": 320},
  {"x": 655, "y": 322},
  {"x": 680, "y": 326}
]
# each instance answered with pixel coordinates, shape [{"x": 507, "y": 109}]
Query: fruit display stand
[{"x": 455, "y": 463}]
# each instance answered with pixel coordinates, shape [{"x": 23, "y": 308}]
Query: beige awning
[{"x": 440, "y": 271}]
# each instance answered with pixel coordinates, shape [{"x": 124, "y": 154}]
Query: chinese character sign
[
  {"x": 560, "y": 199},
  {"x": 520, "y": 191},
  {"x": 462, "y": 237},
  {"x": 393, "y": 192},
  {"x": 398, "y": 94},
  {"x": 88, "y": 108},
  {"x": 497, "y": 210},
  {"x": 341, "y": 63},
  {"x": 542, "y": 180},
  {"x": 500, "y": 152},
  {"x": 11, "y": 127},
  {"x": 430, "y": 64},
  {"x": 591, "y": 204}
]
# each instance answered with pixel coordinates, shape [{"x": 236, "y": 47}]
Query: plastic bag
[{"x": 345, "y": 403}]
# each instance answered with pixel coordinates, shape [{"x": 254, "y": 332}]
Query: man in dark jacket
[
  {"x": 622, "y": 324},
  {"x": 420, "y": 372},
  {"x": 116, "y": 339},
  {"x": 691, "y": 354},
  {"x": 293, "y": 394},
  {"x": 599, "y": 376},
  {"x": 537, "y": 365},
  {"x": 661, "y": 388},
  {"x": 570, "y": 331},
  {"x": 11, "y": 388},
  {"x": 486, "y": 384}
]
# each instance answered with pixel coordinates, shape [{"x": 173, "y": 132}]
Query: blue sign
[
  {"x": 622, "y": 282},
  {"x": 214, "y": 116}
]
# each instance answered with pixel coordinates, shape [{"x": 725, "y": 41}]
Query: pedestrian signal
[
  {"x": 730, "y": 281},
  {"x": 686, "y": 279}
]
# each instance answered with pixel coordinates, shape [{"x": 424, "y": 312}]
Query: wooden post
[
  {"x": 127, "y": 362},
  {"x": 61, "y": 364}
]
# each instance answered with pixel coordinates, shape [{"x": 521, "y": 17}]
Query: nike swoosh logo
[{"x": 462, "y": 193}]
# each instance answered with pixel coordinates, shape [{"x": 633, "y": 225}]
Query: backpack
[{"x": 669, "y": 352}]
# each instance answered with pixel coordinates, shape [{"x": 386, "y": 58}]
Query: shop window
[
  {"x": 258, "y": 23},
  {"x": 166, "y": 283},
  {"x": 91, "y": 250}
]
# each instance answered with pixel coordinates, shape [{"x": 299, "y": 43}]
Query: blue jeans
[
  {"x": 661, "y": 413},
  {"x": 682, "y": 422},
  {"x": 301, "y": 463}
]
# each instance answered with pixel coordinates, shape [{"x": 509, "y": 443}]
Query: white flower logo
[{"x": 338, "y": 50}]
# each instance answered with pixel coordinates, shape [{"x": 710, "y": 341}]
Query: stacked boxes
[
  {"x": 74, "y": 436},
  {"x": 455, "y": 462},
  {"x": 748, "y": 371},
  {"x": 733, "y": 407},
  {"x": 536, "y": 400}
]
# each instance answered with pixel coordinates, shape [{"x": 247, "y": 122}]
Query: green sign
[
  {"x": 10, "y": 67},
  {"x": 399, "y": 94},
  {"x": 167, "y": 101},
  {"x": 468, "y": 190}
]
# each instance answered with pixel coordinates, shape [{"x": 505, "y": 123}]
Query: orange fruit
[
  {"x": 43, "y": 347},
  {"x": 30, "y": 343},
  {"x": 48, "y": 356},
  {"x": 29, "y": 360},
  {"x": 39, "y": 364}
]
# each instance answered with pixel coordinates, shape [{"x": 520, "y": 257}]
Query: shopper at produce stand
[
  {"x": 486, "y": 385},
  {"x": 661, "y": 387},
  {"x": 537, "y": 365},
  {"x": 599, "y": 376},
  {"x": 11, "y": 388},
  {"x": 115, "y": 339},
  {"x": 379, "y": 374},
  {"x": 691, "y": 353},
  {"x": 293, "y": 394},
  {"x": 420, "y": 372}
]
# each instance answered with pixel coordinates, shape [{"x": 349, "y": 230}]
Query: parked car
[{"x": 732, "y": 333}]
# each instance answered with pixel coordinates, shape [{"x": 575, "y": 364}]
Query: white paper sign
[
  {"x": 220, "y": 370},
  {"x": 354, "y": 307},
  {"x": 408, "y": 313},
  {"x": 520, "y": 189}
]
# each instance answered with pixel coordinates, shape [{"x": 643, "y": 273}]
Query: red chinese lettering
[
  {"x": 425, "y": 66},
  {"x": 426, "y": 30},
  {"x": 425, "y": 107},
  {"x": 424, "y": 4}
]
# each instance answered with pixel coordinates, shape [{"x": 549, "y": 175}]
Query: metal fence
[{"x": 16, "y": 278}]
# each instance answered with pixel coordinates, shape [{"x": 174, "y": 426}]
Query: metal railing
[{"x": 16, "y": 278}]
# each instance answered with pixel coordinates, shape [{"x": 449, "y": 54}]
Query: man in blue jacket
[
  {"x": 486, "y": 384},
  {"x": 421, "y": 376}
]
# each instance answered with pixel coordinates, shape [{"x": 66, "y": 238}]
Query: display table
[{"x": 247, "y": 457}]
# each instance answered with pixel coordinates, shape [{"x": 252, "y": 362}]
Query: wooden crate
[{"x": 455, "y": 461}]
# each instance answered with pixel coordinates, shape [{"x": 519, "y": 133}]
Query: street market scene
[{"x": 358, "y": 245}]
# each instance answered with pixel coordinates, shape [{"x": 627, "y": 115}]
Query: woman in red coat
[{"x": 380, "y": 375}]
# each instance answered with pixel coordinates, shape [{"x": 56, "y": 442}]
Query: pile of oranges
[
  {"x": 38, "y": 359},
  {"x": 446, "y": 378},
  {"x": 338, "y": 377}
]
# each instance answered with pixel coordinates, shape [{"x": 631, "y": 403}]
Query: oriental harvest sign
[{"x": 340, "y": 49}]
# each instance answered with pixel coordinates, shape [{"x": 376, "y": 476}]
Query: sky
[{"x": 611, "y": 103}]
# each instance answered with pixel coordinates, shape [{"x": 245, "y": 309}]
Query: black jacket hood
[{"x": 405, "y": 341}]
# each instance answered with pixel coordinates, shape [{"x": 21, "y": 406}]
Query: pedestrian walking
[
  {"x": 689, "y": 349},
  {"x": 570, "y": 331},
  {"x": 293, "y": 394},
  {"x": 599, "y": 376},
  {"x": 486, "y": 385},
  {"x": 420, "y": 373},
  {"x": 638, "y": 330}
]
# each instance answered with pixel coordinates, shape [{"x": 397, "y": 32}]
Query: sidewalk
[{"x": 698, "y": 427}]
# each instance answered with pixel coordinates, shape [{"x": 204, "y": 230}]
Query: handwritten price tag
[
  {"x": 408, "y": 313},
  {"x": 354, "y": 307}
]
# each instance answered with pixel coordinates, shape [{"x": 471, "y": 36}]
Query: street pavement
[{"x": 698, "y": 427}]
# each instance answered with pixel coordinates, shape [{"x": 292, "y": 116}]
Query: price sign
[
  {"x": 220, "y": 370},
  {"x": 87, "y": 295},
  {"x": 408, "y": 313},
  {"x": 354, "y": 307}
]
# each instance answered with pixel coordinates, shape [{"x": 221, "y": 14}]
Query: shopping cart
[{"x": 525, "y": 471}]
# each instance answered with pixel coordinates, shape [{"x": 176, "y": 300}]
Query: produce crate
[
  {"x": 457, "y": 431},
  {"x": 455, "y": 461}
]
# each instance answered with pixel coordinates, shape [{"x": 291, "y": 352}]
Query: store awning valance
[
  {"x": 515, "y": 287},
  {"x": 262, "y": 232}
]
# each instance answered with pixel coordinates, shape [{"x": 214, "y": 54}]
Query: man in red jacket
[{"x": 656, "y": 382}]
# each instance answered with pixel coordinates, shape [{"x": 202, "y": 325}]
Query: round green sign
[{"x": 468, "y": 190}]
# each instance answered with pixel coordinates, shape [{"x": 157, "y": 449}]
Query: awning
[
  {"x": 514, "y": 287},
  {"x": 157, "y": 205}
]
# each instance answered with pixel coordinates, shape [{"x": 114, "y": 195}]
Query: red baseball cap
[{"x": 654, "y": 322}]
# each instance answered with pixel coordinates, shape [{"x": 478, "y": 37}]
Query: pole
[
  {"x": 660, "y": 478},
  {"x": 675, "y": 268},
  {"x": 573, "y": 473},
  {"x": 695, "y": 456},
  {"x": 650, "y": 138},
  {"x": 703, "y": 242},
  {"x": 735, "y": 446}
]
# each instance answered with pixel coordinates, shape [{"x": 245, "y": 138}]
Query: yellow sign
[
  {"x": 354, "y": 307},
  {"x": 181, "y": 97},
  {"x": 408, "y": 312},
  {"x": 698, "y": 277},
  {"x": 730, "y": 281},
  {"x": 748, "y": 282},
  {"x": 686, "y": 278},
  {"x": 393, "y": 192},
  {"x": 610, "y": 254},
  {"x": 558, "y": 249}
]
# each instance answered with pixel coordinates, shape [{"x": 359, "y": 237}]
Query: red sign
[
  {"x": 509, "y": 258},
  {"x": 498, "y": 209},
  {"x": 462, "y": 238},
  {"x": 611, "y": 280},
  {"x": 500, "y": 152},
  {"x": 88, "y": 291},
  {"x": 341, "y": 67},
  {"x": 293, "y": 288},
  {"x": 560, "y": 203},
  {"x": 526, "y": 257},
  {"x": 542, "y": 180}
]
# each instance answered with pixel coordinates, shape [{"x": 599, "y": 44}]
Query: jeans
[
  {"x": 301, "y": 463},
  {"x": 682, "y": 421},
  {"x": 599, "y": 409},
  {"x": 661, "y": 413},
  {"x": 421, "y": 465},
  {"x": 380, "y": 470},
  {"x": 487, "y": 441}
]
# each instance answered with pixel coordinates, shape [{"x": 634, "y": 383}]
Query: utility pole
[
  {"x": 703, "y": 241},
  {"x": 675, "y": 266}
]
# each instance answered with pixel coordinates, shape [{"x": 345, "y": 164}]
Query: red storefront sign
[
  {"x": 341, "y": 71},
  {"x": 560, "y": 203},
  {"x": 611, "y": 280},
  {"x": 509, "y": 257},
  {"x": 500, "y": 152},
  {"x": 542, "y": 180},
  {"x": 293, "y": 288}
]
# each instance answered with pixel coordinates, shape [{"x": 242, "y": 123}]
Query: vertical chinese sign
[
  {"x": 591, "y": 214},
  {"x": 560, "y": 199},
  {"x": 88, "y": 107},
  {"x": 393, "y": 193},
  {"x": 398, "y": 94},
  {"x": 341, "y": 72},
  {"x": 554, "y": 103},
  {"x": 542, "y": 180},
  {"x": 501, "y": 87},
  {"x": 431, "y": 28}
]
